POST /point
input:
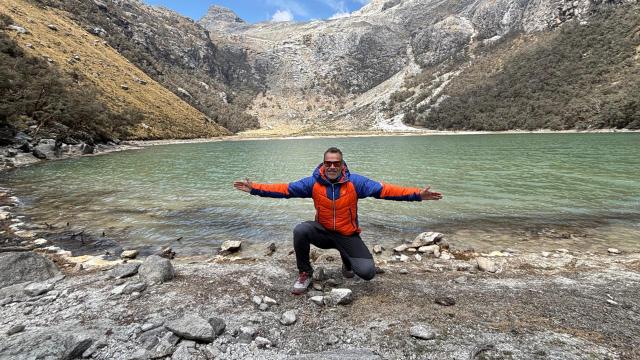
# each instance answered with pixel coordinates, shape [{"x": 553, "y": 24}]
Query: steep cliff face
[{"x": 342, "y": 72}]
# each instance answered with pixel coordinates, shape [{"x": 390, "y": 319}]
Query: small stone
[
  {"x": 52, "y": 27},
  {"x": 562, "y": 251},
  {"x": 445, "y": 301},
  {"x": 263, "y": 307},
  {"x": 378, "y": 249},
  {"x": 403, "y": 258},
  {"x": 317, "y": 286},
  {"x": 151, "y": 325},
  {"x": 404, "y": 271},
  {"x": 418, "y": 257},
  {"x": 319, "y": 274},
  {"x": 15, "y": 329},
  {"x": 411, "y": 250},
  {"x": 401, "y": 248},
  {"x": 460, "y": 280},
  {"x": 124, "y": 86},
  {"x": 445, "y": 255},
  {"x": 422, "y": 332},
  {"x": 545, "y": 254},
  {"x": 124, "y": 270},
  {"x": 496, "y": 254},
  {"x": 318, "y": 300},
  {"x": 246, "y": 334},
  {"x": 613, "y": 251},
  {"x": 129, "y": 254},
  {"x": 262, "y": 343},
  {"x": 465, "y": 266},
  {"x": 269, "y": 301},
  {"x": 257, "y": 300},
  {"x": 379, "y": 270},
  {"x": 40, "y": 241},
  {"x": 429, "y": 249},
  {"x": 487, "y": 265},
  {"x": 218, "y": 325},
  {"x": 339, "y": 297},
  {"x": 436, "y": 252},
  {"x": 288, "y": 318},
  {"x": 231, "y": 245}
]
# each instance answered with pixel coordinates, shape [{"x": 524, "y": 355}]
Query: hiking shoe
[
  {"x": 346, "y": 272},
  {"x": 302, "y": 283}
]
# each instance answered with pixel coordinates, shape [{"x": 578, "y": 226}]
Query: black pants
[{"x": 353, "y": 251}]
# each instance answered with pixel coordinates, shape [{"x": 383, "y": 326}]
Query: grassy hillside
[
  {"x": 580, "y": 76},
  {"x": 80, "y": 66},
  {"x": 174, "y": 51}
]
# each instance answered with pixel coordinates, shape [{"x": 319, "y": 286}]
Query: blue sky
[{"x": 267, "y": 10}]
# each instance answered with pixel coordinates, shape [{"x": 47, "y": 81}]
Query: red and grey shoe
[{"x": 302, "y": 283}]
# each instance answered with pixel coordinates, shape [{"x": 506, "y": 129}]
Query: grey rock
[
  {"x": 246, "y": 334},
  {"x": 52, "y": 27},
  {"x": 192, "y": 327},
  {"x": 231, "y": 245},
  {"x": 262, "y": 342},
  {"x": 288, "y": 318},
  {"x": 339, "y": 297},
  {"x": 156, "y": 269},
  {"x": 124, "y": 270},
  {"x": 18, "y": 29},
  {"x": 129, "y": 254},
  {"x": 263, "y": 307},
  {"x": 19, "y": 267},
  {"x": 378, "y": 249},
  {"x": 46, "y": 344},
  {"x": 256, "y": 300},
  {"x": 351, "y": 354},
  {"x": 613, "y": 251},
  {"x": 35, "y": 289},
  {"x": 319, "y": 274},
  {"x": 403, "y": 271},
  {"x": 15, "y": 329},
  {"x": 426, "y": 238},
  {"x": 269, "y": 301},
  {"x": 423, "y": 332},
  {"x": 487, "y": 265},
  {"x": 218, "y": 325},
  {"x": 186, "y": 352},
  {"x": 318, "y": 300}
]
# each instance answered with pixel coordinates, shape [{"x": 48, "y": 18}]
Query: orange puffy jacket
[{"x": 337, "y": 203}]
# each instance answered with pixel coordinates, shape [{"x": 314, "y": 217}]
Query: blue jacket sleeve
[
  {"x": 366, "y": 187},
  {"x": 300, "y": 189}
]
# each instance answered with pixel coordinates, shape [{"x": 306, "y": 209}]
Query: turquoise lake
[{"x": 518, "y": 191}]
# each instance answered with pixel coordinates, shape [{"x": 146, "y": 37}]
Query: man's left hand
[{"x": 425, "y": 194}]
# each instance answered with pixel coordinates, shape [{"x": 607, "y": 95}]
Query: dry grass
[{"x": 166, "y": 115}]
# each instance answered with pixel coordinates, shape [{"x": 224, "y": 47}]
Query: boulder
[
  {"x": 46, "y": 344},
  {"x": 339, "y": 297},
  {"x": 45, "y": 149},
  {"x": 20, "y": 267},
  {"x": 156, "y": 269},
  {"x": 192, "y": 327}
]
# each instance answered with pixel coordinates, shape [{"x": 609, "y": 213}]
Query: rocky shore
[{"x": 427, "y": 301}]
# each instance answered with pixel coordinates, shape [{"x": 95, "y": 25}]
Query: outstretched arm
[
  {"x": 367, "y": 187},
  {"x": 301, "y": 188}
]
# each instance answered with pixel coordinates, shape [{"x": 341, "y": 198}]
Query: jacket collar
[{"x": 319, "y": 175}]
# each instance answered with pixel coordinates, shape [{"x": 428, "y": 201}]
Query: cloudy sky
[{"x": 267, "y": 10}]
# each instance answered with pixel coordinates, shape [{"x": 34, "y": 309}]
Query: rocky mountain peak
[{"x": 218, "y": 15}]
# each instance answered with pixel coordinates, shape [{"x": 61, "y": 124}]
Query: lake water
[{"x": 500, "y": 191}]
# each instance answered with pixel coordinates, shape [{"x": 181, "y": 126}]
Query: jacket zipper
[{"x": 333, "y": 205}]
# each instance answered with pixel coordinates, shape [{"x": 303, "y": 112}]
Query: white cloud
[
  {"x": 336, "y": 5},
  {"x": 339, "y": 15},
  {"x": 282, "y": 15},
  {"x": 364, "y": 2}
]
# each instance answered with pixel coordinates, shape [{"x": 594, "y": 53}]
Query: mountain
[
  {"x": 174, "y": 51},
  {"x": 58, "y": 80},
  {"x": 365, "y": 71}
]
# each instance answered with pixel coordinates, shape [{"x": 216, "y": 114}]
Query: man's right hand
[{"x": 245, "y": 185}]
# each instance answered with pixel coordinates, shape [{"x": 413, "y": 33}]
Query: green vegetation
[
  {"x": 576, "y": 77},
  {"x": 35, "y": 94}
]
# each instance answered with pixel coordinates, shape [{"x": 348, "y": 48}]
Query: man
[{"x": 335, "y": 192}]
